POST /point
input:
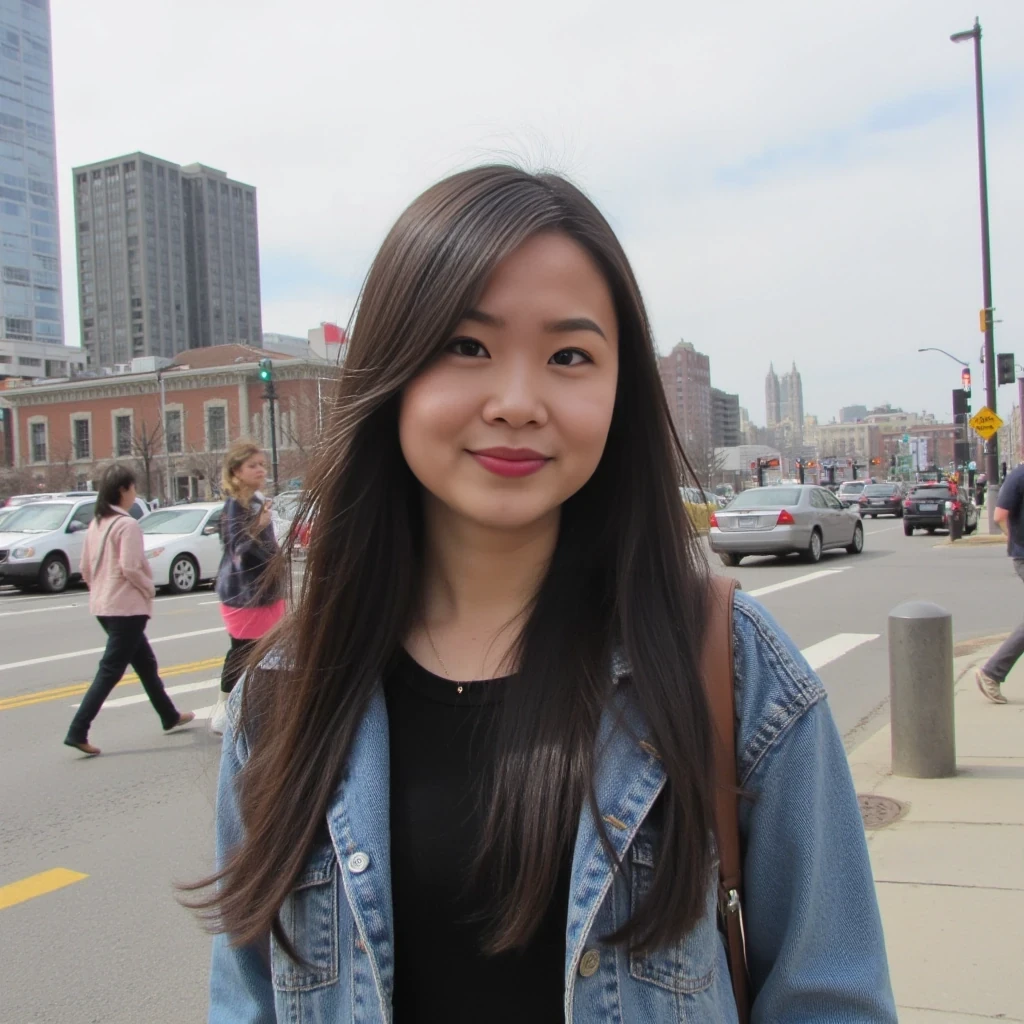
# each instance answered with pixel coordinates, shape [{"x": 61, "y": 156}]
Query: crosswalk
[{"x": 818, "y": 655}]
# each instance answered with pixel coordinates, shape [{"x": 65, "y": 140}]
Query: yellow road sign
[{"x": 985, "y": 422}]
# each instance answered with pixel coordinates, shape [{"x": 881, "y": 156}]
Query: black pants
[
  {"x": 126, "y": 645},
  {"x": 234, "y": 663}
]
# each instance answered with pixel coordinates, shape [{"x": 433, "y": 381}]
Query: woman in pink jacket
[{"x": 121, "y": 595}]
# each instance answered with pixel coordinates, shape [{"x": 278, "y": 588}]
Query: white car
[
  {"x": 41, "y": 543},
  {"x": 183, "y": 544}
]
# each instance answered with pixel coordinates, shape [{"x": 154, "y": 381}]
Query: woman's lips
[{"x": 510, "y": 462}]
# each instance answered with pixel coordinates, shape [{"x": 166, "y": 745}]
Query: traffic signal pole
[{"x": 270, "y": 397}]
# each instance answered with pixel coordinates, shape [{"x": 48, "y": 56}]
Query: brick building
[
  {"x": 173, "y": 422},
  {"x": 686, "y": 380}
]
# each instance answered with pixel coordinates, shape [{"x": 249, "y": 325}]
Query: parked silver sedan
[{"x": 784, "y": 519}]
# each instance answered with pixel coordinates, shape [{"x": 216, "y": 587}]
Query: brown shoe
[
  {"x": 990, "y": 687},
  {"x": 183, "y": 719},
  {"x": 86, "y": 748}
]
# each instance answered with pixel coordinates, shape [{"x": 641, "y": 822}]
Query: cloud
[{"x": 794, "y": 181}]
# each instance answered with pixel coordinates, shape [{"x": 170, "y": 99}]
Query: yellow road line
[
  {"x": 37, "y": 885},
  {"x": 22, "y": 700}
]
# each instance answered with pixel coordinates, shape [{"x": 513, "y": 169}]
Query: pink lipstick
[{"x": 510, "y": 462}]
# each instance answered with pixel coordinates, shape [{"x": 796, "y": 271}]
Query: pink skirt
[{"x": 251, "y": 623}]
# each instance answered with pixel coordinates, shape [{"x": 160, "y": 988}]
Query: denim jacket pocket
[
  {"x": 309, "y": 917},
  {"x": 685, "y": 966}
]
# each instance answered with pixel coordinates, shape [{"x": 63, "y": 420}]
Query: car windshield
[
  {"x": 37, "y": 518},
  {"x": 879, "y": 489},
  {"x": 286, "y": 505},
  {"x": 931, "y": 492},
  {"x": 172, "y": 521},
  {"x": 852, "y": 487},
  {"x": 759, "y": 497}
]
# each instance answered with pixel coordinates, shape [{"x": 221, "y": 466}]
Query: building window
[
  {"x": 122, "y": 436},
  {"x": 172, "y": 429},
  {"x": 82, "y": 440},
  {"x": 216, "y": 428},
  {"x": 38, "y": 441}
]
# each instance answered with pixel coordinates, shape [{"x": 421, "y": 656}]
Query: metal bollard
[{"x": 921, "y": 690}]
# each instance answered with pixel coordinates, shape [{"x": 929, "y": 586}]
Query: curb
[{"x": 977, "y": 539}]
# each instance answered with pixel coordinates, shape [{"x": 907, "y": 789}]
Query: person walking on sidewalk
[
  {"x": 248, "y": 581},
  {"x": 1009, "y": 515},
  {"x": 121, "y": 593}
]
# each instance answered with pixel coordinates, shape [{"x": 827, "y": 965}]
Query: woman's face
[
  {"x": 252, "y": 474},
  {"x": 512, "y": 419}
]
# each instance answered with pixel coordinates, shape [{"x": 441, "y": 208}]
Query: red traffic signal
[{"x": 965, "y": 378}]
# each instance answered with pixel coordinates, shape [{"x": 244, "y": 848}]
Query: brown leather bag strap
[{"x": 718, "y": 674}]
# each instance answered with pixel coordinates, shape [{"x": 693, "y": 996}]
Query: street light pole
[{"x": 992, "y": 444}]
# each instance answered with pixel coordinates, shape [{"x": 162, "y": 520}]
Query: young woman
[
  {"x": 248, "y": 578},
  {"x": 121, "y": 596},
  {"x": 474, "y": 781}
]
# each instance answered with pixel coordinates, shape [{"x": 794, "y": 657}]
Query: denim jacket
[{"x": 814, "y": 936}]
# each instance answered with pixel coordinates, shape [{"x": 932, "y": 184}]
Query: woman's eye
[
  {"x": 570, "y": 357},
  {"x": 467, "y": 347}
]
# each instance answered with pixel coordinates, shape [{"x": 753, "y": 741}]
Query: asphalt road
[{"x": 113, "y": 946}]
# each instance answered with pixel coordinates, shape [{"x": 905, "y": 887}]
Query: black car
[
  {"x": 925, "y": 508},
  {"x": 881, "y": 500}
]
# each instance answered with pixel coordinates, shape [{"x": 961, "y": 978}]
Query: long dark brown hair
[{"x": 626, "y": 570}]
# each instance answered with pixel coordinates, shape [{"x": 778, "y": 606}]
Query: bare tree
[
  {"x": 147, "y": 442},
  {"x": 16, "y": 481},
  {"x": 206, "y": 466},
  {"x": 61, "y": 473},
  {"x": 706, "y": 460}
]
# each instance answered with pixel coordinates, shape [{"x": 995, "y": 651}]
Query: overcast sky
[{"x": 793, "y": 181}]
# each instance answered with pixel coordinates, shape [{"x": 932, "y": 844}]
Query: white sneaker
[
  {"x": 220, "y": 715},
  {"x": 990, "y": 687}
]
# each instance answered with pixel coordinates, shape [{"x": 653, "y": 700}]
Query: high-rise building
[
  {"x": 726, "y": 419},
  {"x": 167, "y": 259},
  {"x": 222, "y": 259},
  {"x": 791, "y": 403},
  {"x": 686, "y": 379},
  {"x": 31, "y": 309},
  {"x": 772, "y": 397}
]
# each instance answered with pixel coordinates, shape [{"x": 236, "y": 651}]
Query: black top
[
  {"x": 440, "y": 765},
  {"x": 1011, "y": 497}
]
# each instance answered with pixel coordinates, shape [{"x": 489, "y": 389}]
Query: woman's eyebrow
[{"x": 572, "y": 324}]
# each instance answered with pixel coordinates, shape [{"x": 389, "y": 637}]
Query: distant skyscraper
[
  {"x": 167, "y": 259},
  {"x": 791, "y": 402},
  {"x": 727, "y": 418},
  {"x": 31, "y": 308},
  {"x": 772, "y": 398},
  {"x": 686, "y": 379}
]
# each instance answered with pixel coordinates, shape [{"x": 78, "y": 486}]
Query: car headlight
[
  {"x": 23, "y": 552},
  {"x": 154, "y": 552}
]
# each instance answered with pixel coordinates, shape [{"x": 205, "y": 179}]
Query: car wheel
[
  {"x": 968, "y": 530},
  {"x": 899, "y": 513},
  {"x": 184, "y": 575},
  {"x": 908, "y": 530},
  {"x": 931, "y": 531},
  {"x": 730, "y": 560},
  {"x": 53, "y": 576},
  {"x": 856, "y": 546},
  {"x": 813, "y": 552}
]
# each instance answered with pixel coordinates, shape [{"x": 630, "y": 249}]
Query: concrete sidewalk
[{"x": 950, "y": 870}]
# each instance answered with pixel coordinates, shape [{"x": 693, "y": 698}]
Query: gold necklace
[{"x": 433, "y": 647}]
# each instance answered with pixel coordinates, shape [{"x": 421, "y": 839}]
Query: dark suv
[
  {"x": 881, "y": 500},
  {"x": 925, "y": 508}
]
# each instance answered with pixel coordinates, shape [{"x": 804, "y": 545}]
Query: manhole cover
[{"x": 879, "y": 811}]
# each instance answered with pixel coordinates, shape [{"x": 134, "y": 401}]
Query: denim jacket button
[
  {"x": 590, "y": 962},
  {"x": 358, "y": 863}
]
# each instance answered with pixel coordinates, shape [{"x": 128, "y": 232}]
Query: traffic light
[
  {"x": 266, "y": 370},
  {"x": 965, "y": 378},
  {"x": 1004, "y": 368}
]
